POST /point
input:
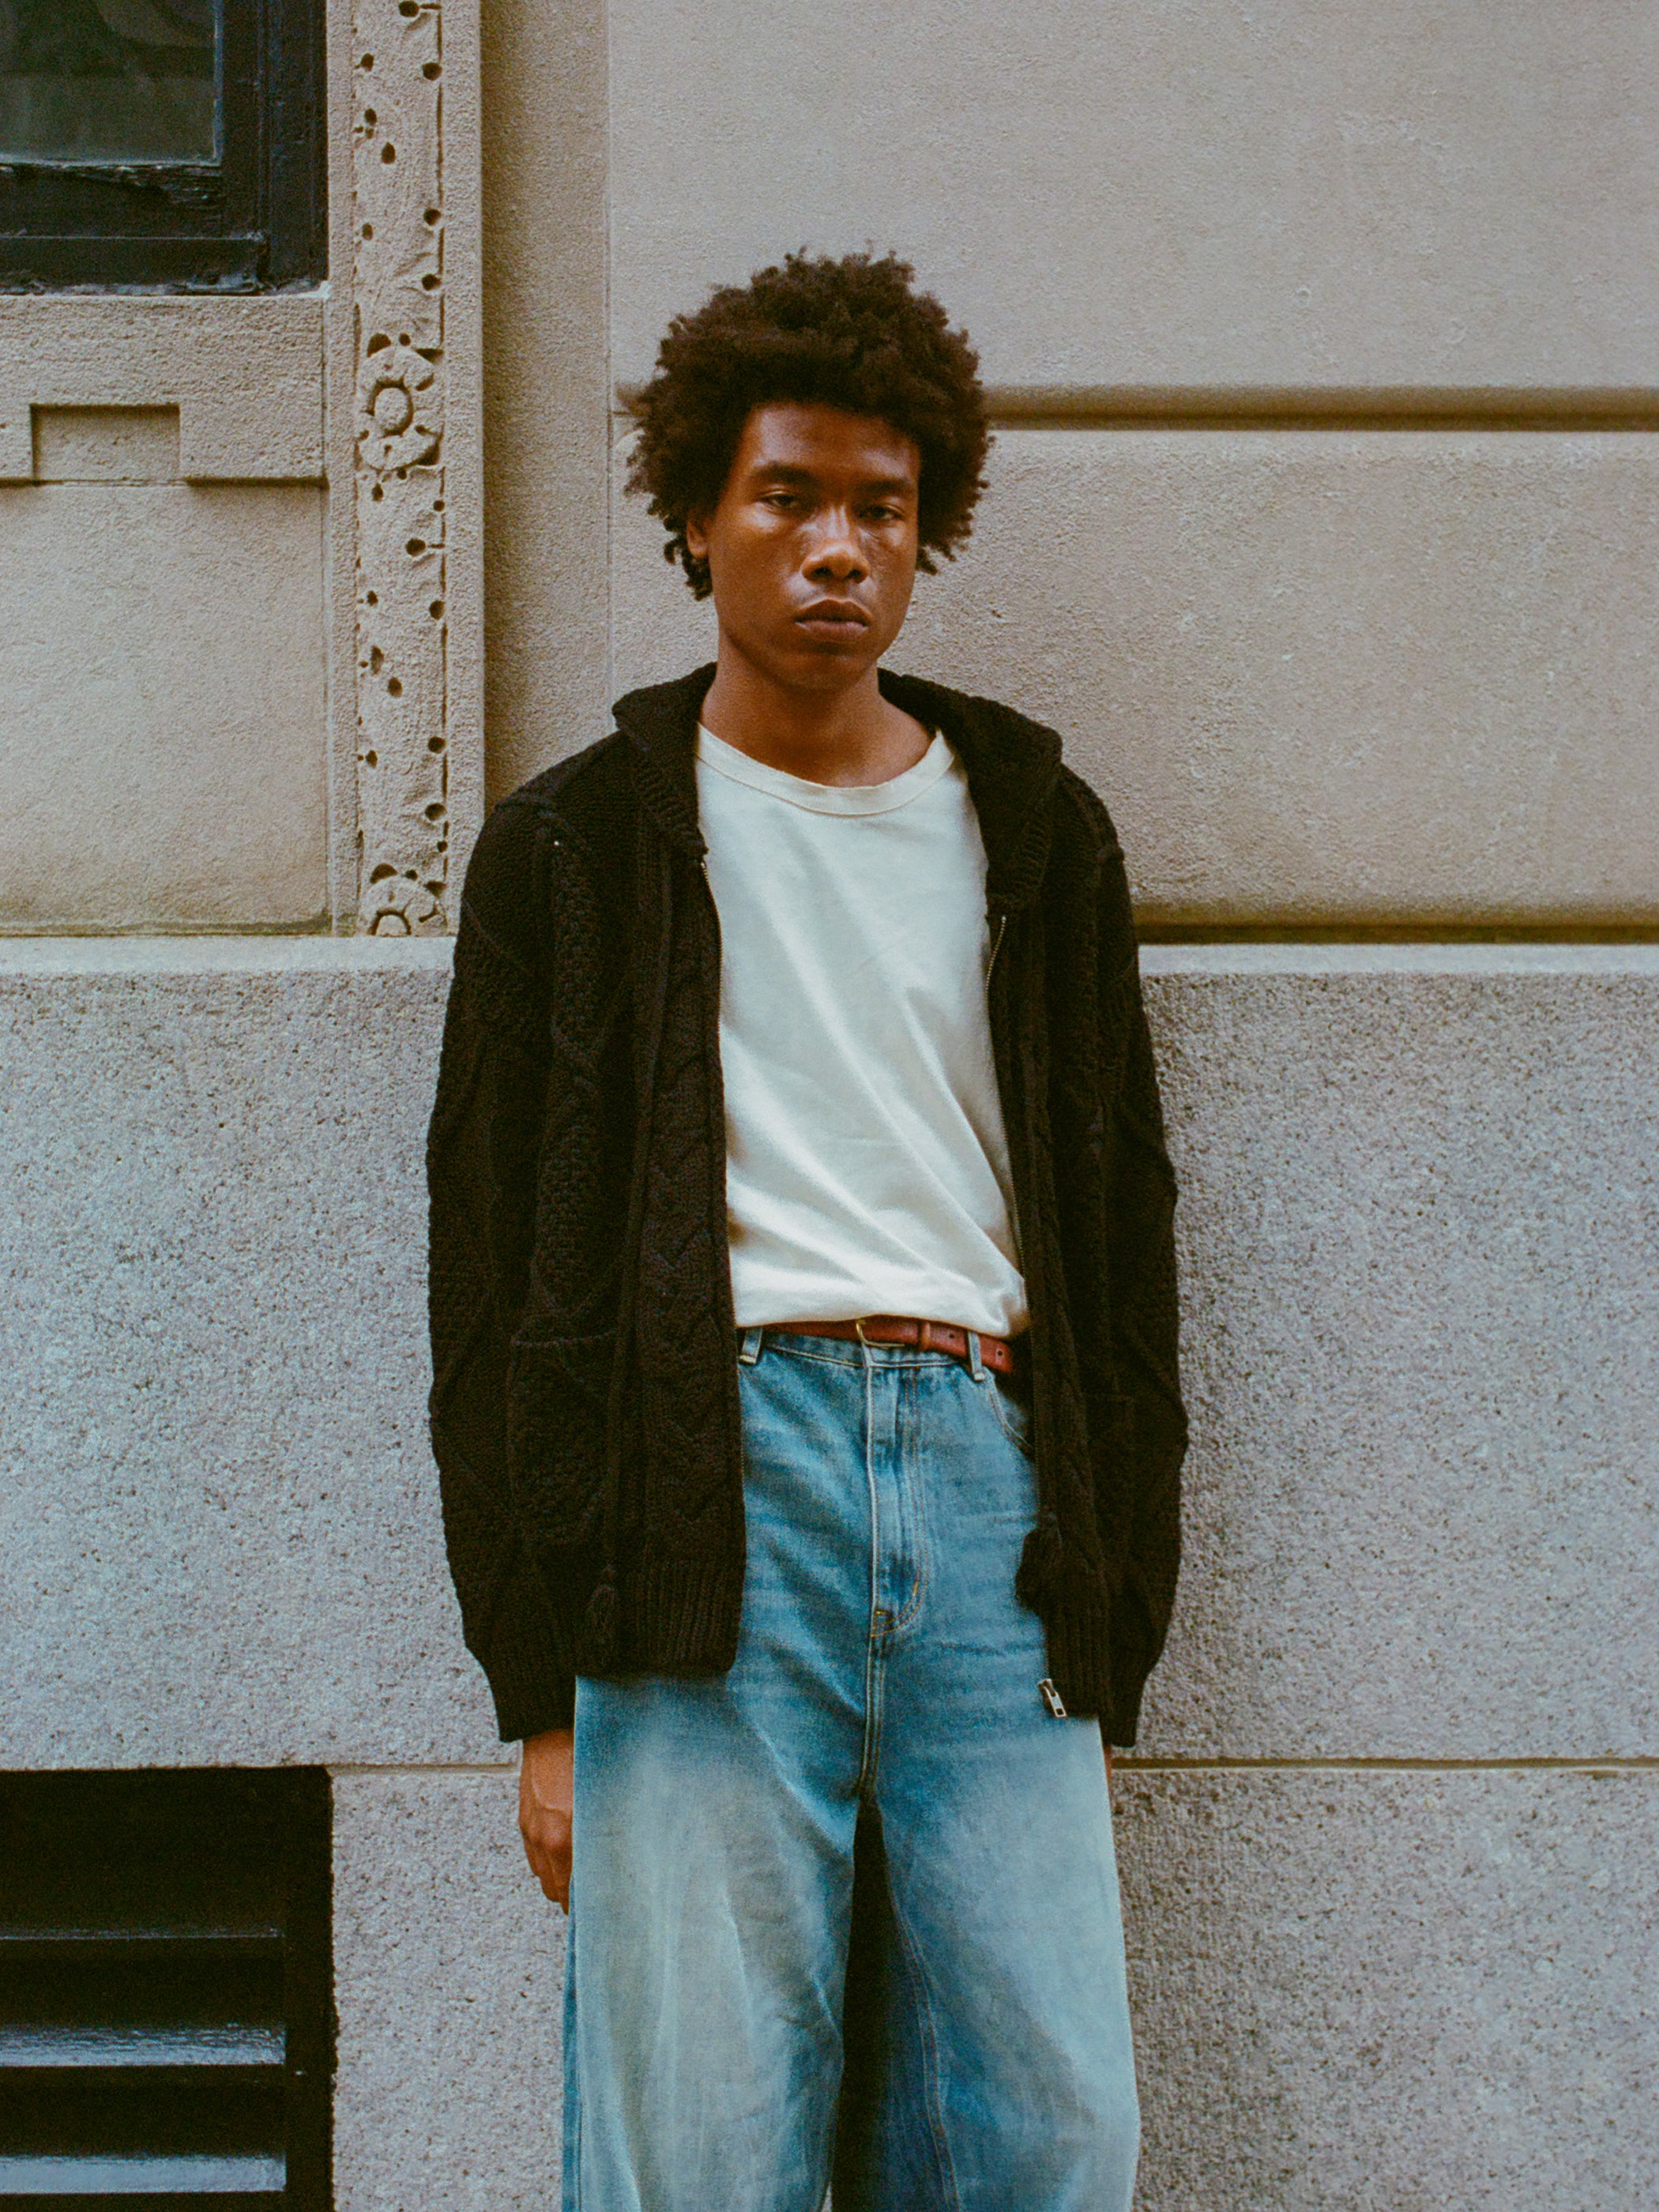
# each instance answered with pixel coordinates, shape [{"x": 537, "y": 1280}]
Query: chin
[
  {"x": 836, "y": 662},
  {"x": 829, "y": 671}
]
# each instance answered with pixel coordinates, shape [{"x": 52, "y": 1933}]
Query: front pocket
[
  {"x": 557, "y": 1394},
  {"x": 1012, "y": 1409}
]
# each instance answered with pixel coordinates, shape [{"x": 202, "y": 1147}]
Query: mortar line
[
  {"x": 348, "y": 1770},
  {"x": 1128, "y": 1763},
  {"x": 1444, "y": 408}
]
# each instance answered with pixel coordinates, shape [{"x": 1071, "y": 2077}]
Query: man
[{"x": 803, "y": 1322}]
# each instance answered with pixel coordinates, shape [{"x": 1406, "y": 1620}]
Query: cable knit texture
[{"x": 584, "y": 1411}]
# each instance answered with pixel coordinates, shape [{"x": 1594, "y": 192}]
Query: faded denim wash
[{"x": 885, "y": 1690}]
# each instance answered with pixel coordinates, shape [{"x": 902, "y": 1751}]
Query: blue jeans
[{"x": 873, "y": 1817}]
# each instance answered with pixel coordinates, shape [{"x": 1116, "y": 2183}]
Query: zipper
[{"x": 996, "y": 945}]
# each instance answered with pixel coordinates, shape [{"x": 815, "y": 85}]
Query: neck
[{"x": 849, "y": 737}]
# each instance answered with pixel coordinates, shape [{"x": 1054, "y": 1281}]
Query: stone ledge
[
  {"x": 207, "y": 955},
  {"x": 32, "y": 957},
  {"x": 1357, "y": 957}
]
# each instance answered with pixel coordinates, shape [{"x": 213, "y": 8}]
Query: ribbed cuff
[
  {"x": 1079, "y": 1651},
  {"x": 529, "y": 1664},
  {"x": 556, "y": 1709},
  {"x": 683, "y": 1616}
]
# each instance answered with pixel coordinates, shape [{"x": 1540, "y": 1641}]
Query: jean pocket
[{"x": 1012, "y": 1409}]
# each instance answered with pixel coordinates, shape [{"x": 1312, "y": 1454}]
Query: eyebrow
[{"x": 791, "y": 472}]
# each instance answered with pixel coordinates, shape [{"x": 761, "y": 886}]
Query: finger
[
  {"x": 547, "y": 1847},
  {"x": 553, "y": 1872}
]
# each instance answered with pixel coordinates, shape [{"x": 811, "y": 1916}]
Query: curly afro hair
[{"x": 852, "y": 332}]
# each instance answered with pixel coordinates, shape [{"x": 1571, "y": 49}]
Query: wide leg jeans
[{"x": 874, "y": 1821}]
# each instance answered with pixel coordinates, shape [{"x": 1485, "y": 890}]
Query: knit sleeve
[
  {"x": 1141, "y": 1195},
  {"x": 481, "y": 1161}
]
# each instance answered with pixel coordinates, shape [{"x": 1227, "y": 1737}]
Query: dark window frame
[{"x": 254, "y": 220}]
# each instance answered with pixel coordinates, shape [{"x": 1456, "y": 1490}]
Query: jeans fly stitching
[{"x": 912, "y": 1487}]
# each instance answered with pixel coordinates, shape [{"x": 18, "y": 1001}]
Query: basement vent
[{"x": 166, "y": 2007}]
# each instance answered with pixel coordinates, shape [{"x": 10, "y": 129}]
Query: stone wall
[
  {"x": 1386, "y": 1838},
  {"x": 1324, "y": 350}
]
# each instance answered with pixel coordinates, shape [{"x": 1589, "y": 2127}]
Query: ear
[{"x": 696, "y": 537}]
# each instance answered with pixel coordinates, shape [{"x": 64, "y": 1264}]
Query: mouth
[{"x": 835, "y": 620}]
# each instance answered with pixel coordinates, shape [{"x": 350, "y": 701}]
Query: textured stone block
[
  {"x": 448, "y": 1976},
  {"x": 105, "y": 444},
  {"x": 1380, "y": 1991},
  {"x": 546, "y": 387},
  {"x": 1392, "y": 1992},
  {"x": 219, "y": 1532},
  {"x": 1108, "y": 194},
  {"x": 162, "y": 665},
  {"x": 245, "y": 375},
  {"x": 1418, "y": 1220},
  {"x": 1320, "y": 677},
  {"x": 1422, "y": 1343}
]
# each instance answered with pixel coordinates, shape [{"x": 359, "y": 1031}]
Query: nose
[{"x": 835, "y": 550}]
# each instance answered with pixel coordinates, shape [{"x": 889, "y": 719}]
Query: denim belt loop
[
  {"x": 976, "y": 1365},
  {"x": 749, "y": 1350}
]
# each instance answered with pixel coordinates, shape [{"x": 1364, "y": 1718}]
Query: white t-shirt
[{"x": 866, "y": 1160}]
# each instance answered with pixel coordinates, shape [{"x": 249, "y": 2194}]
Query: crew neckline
[{"x": 737, "y": 767}]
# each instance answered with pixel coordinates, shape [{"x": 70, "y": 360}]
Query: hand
[{"x": 546, "y": 1796}]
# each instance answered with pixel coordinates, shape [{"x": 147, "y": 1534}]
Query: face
[{"x": 812, "y": 548}]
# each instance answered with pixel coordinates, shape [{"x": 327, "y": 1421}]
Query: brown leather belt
[{"x": 998, "y": 1353}]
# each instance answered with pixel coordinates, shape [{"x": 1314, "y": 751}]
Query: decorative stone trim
[{"x": 403, "y": 659}]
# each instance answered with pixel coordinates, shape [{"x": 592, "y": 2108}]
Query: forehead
[{"x": 825, "y": 440}]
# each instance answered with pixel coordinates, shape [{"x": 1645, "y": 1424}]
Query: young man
[{"x": 804, "y": 1323}]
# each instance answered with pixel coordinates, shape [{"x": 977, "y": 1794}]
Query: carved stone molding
[{"x": 403, "y": 671}]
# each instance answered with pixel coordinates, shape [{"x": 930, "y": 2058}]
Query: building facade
[{"x": 1323, "y": 343}]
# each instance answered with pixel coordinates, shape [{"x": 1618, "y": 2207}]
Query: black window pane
[
  {"x": 175, "y": 144},
  {"x": 112, "y": 81}
]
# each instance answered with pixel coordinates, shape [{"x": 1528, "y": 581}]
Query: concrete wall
[
  {"x": 1321, "y": 194},
  {"x": 1386, "y": 1837},
  {"x": 165, "y": 655},
  {"x": 1328, "y": 679},
  {"x": 197, "y": 677},
  {"x": 1324, "y": 343},
  {"x": 546, "y": 386}
]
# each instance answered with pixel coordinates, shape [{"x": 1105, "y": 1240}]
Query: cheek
[{"x": 898, "y": 573}]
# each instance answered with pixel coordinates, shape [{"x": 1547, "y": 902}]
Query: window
[
  {"x": 165, "y": 2012},
  {"x": 169, "y": 143}
]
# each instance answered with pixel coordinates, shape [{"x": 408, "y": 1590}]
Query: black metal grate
[{"x": 165, "y": 2008}]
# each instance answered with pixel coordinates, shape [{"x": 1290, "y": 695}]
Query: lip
[{"x": 833, "y": 617}]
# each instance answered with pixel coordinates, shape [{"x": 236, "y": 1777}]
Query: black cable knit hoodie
[{"x": 584, "y": 1411}]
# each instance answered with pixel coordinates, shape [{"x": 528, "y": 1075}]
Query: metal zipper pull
[{"x": 1052, "y": 1698}]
